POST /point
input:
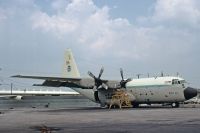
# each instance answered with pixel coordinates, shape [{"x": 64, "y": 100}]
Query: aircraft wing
[
  {"x": 15, "y": 97},
  {"x": 5, "y": 96},
  {"x": 53, "y": 81},
  {"x": 47, "y": 78},
  {"x": 59, "y": 81},
  {"x": 84, "y": 83},
  {"x": 8, "y": 96},
  {"x": 70, "y": 70}
]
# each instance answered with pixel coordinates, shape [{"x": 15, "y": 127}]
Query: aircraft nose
[{"x": 190, "y": 92}]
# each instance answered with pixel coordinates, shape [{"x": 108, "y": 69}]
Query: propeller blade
[
  {"x": 101, "y": 71},
  {"x": 100, "y": 87},
  {"x": 91, "y": 75},
  {"x": 95, "y": 88},
  {"x": 98, "y": 83},
  {"x": 104, "y": 86},
  {"x": 123, "y": 81},
  {"x": 121, "y": 72}
]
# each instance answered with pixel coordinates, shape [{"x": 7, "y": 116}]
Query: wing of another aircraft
[{"x": 15, "y": 97}]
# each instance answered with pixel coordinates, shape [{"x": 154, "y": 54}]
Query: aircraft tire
[
  {"x": 175, "y": 105},
  {"x": 135, "y": 105}
]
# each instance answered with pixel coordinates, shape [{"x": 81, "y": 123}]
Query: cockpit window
[
  {"x": 176, "y": 81},
  {"x": 182, "y": 81}
]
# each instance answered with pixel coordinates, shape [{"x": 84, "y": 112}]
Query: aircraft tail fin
[{"x": 70, "y": 69}]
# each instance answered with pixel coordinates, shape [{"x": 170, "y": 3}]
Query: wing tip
[{"x": 16, "y": 76}]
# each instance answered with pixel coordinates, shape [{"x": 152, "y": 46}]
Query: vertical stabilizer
[{"x": 70, "y": 69}]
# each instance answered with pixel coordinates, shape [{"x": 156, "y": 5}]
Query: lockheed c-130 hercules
[{"x": 161, "y": 90}]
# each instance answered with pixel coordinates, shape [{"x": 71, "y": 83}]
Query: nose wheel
[{"x": 175, "y": 105}]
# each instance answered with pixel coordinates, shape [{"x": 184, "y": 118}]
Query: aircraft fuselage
[{"x": 147, "y": 90}]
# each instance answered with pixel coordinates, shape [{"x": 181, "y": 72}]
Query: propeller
[
  {"x": 123, "y": 81},
  {"x": 98, "y": 82}
]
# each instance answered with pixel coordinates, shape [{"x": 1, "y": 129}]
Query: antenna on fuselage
[
  {"x": 138, "y": 75},
  {"x": 162, "y": 74},
  {"x": 148, "y": 75},
  {"x": 177, "y": 74}
]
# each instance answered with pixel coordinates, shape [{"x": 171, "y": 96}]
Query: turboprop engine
[{"x": 104, "y": 93}]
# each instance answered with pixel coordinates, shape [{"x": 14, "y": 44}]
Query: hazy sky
[{"x": 141, "y": 36}]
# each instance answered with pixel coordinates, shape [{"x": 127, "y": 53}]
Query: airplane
[
  {"x": 19, "y": 94},
  {"x": 169, "y": 89}
]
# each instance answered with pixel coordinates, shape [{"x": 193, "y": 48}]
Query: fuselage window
[
  {"x": 182, "y": 81},
  {"x": 173, "y": 82}
]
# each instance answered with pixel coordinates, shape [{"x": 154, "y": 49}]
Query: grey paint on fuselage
[{"x": 158, "y": 94}]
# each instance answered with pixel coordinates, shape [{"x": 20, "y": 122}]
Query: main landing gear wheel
[
  {"x": 175, "y": 105},
  {"x": 135, "y": 105}
]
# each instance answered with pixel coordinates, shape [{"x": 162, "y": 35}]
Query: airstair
[{"x": 120, "y": 99}]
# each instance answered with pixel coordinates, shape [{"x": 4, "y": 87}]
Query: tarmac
[{"x": 97, "y": 120}]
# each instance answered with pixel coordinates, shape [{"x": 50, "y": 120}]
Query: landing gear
[
  {"x": 175, "y": 105},
  {"x": 103, "y": 105},
  {"x": 135, "y": 105}
]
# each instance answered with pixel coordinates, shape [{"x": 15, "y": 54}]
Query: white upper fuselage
[{"x": 154, "y": 81}]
